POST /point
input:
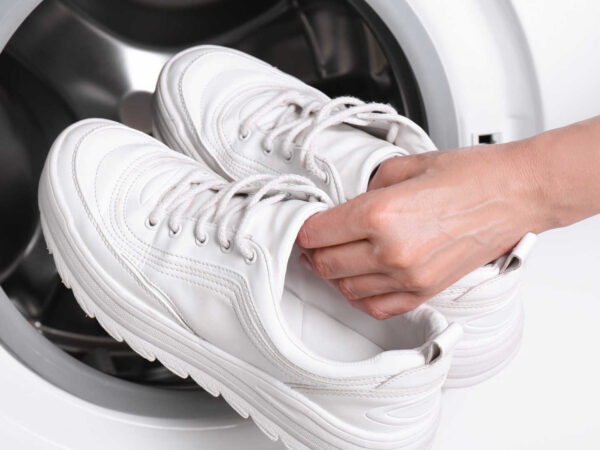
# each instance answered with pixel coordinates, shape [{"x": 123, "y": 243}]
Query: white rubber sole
[
  {"x": 277, "y": 410},
  {"x": 480, "y": 356}
]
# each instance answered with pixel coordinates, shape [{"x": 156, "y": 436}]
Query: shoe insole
[{"x": 323, "y": 334}]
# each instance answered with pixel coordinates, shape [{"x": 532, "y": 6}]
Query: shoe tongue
[{"x": 355, "y": 153}]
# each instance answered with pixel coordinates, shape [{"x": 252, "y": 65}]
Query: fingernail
[
  {"x": 301, "y": 237},
  {"x": 305, "y": 260}
]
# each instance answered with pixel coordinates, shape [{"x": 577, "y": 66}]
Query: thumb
[{"x": 395, "y": 170}]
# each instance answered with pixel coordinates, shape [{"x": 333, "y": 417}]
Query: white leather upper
[
  {"x": 205, "y": 93},
  {"x": 110, "y": 178},
  {"x": 359, "y": 378}
]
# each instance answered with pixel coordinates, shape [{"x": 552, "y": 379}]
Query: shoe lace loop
[
  {"x": 313, "y": 117},
  {"x": 183, "y": 200}
]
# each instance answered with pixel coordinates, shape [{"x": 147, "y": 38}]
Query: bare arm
[{"x": 429, "y": 219}]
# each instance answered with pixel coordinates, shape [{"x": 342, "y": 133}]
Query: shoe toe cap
[{"x": 88, "y": 159}]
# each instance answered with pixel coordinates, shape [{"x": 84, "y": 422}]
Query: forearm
[
  {"x": 563, "y": 168},
  {"x": 429, "y": 219}
]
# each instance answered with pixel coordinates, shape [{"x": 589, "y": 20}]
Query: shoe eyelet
[
  {"x": 227, "y": 247},
  {"x": 245, "y": 137},
  {"x": 252, "y": 259},
  {"x": 149, "y": 223},
  {"x": 327, "y": 179},
  {"x": 288, "y": 158},
  {"x": 202, "y": 241},
  {"x": 267, "y": 151},
  {"x": 173, "y": 233}
]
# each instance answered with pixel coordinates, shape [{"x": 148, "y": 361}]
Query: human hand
[{"x": 426, "y": 221}]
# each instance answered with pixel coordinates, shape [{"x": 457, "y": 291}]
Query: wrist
[
  {"x": 567, "y": 163},
  {"x": 529, "y": 164}
]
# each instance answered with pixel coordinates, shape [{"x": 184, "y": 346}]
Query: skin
[{"x": 429, "y": 219}]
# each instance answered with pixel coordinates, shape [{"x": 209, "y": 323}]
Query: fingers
[
  {"x": 383, "y": 296},
  {"x": 346, "y": 260},
  {"x": 350, "y": 221},
  {"x": 388, "y": 305},
  {"x": 338, "y": 225},
  {"x": 362, "y": 286},
  {"x": 396, "y": 170}
]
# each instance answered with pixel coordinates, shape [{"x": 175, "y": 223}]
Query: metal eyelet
[
  {"x": 252, "y": 259},
  {"x": 202, "y": 241},
  {"x": 226, "y": 248},
  {"x": 149, "y": 223},
  {"x": 245, "y": 137},
  {"x": 173, "y": 233}
]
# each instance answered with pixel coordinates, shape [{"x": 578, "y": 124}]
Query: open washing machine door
[
  {"x": 465, "y": 72},
  {"x": 63, "y": 382}
]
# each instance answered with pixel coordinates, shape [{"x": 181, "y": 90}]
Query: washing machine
[{"x": 470, "y": 72}]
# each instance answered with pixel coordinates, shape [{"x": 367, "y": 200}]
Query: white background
[{"x": 548, "y": 398}]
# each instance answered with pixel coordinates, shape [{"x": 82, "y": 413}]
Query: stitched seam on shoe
[
  {"x": 221, "y": 109},
  {"x": 243, "y": 287},
  {"x": 135, "y": 163},
  {"x": 87, "y": 210},
  {"x": 188, "y": 118},
  {"x": 505, "y": 297},
  {"x": 378, "y": 392}
]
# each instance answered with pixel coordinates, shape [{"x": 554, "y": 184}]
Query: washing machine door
[
  {"x": 63, "y": 382},
  {"x": 52, "y": 400},
  {"x": 475, "y": 69}
]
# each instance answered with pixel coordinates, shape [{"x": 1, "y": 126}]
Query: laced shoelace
[
  {"x": 315, "y": 117},
  {"x": 183, "y": 200}
]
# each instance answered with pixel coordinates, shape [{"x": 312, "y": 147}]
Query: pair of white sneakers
[{"x": 191, "y": 258}]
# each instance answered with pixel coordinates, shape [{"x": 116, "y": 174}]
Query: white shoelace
[
  {"x": 184, "y": 200},
  {"x": 316, "y": 116}
]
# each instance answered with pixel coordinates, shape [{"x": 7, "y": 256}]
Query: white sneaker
[
  {"x": 242, "y": 117},
  {"x": 488, "y": 305},
  {"x": 192, "y": 269}
]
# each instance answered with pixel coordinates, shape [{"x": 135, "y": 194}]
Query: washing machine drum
[{"x": 63, "y": 380}]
